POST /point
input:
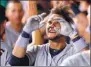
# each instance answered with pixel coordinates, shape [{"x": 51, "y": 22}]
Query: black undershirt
[{"x": 54, "y": 52}]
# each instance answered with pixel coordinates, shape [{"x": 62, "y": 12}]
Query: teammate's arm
[{"x": 19, "y": 52}]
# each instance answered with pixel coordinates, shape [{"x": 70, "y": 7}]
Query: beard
[{"x": 57, "y": 38}]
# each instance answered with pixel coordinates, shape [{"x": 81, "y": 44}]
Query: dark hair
[
  {"x": 13, "y": 1},
  {"x": 88, "y": 1},
  {"x": 2, "y": 14},
  {"x": 64, "y": 13}
]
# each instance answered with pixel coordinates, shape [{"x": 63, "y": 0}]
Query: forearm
[
  {"x": 21, "y": 45},
  {"x": 19, "y": 51}
]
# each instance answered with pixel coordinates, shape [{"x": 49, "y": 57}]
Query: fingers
[
  {"x": 44, "y": 20},
  {"x": 42, "y": 16},
  {"x": 60, "y": 20}
]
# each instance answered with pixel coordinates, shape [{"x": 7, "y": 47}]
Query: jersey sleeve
[
  {"x": 76, "y": 46},
  {"x": 79, "y": 44},
  {"x": 27, "y": 60}
]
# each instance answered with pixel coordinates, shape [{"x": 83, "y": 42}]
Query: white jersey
[
  {"x": 40, "y": 55},
  {"x": 5, "y": 55},
  {"x": 79, "y": 59},
  {"x": 11, "y": 35}
]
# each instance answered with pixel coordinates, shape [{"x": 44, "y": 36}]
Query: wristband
[
  {"x": 23, "y": 40},
  {"x": 76, "y": 38}
]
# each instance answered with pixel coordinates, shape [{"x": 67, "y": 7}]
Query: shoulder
[
  {"x": 72, "y": 60},
  {"x": 35, "y": 48}
]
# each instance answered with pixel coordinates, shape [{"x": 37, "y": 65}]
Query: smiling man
[
  {"x": 52, "y": 53},
  {"x": 14, "y": 13}
]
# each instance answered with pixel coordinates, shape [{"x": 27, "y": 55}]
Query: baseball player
[
  {"x": 14, "y": 13},
  {"x": 79, "y": 59},
  {"x": 5, "y": 50},
  {"x": 11, "y": 34},
  {"x": 50, "y": 54},
  {"x": 82, "y": 58}
]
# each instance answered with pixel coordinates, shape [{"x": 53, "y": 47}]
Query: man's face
[
  {"x": 14, "y": 12},
  {"x": 50, "y": 27},
  {"x": 81, "y": 26}
]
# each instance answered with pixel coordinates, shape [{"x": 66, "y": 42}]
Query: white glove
[
  {"x": 66, "y": 29},
  {"x": 33, "y": 23}
]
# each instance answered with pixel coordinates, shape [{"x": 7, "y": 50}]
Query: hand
[
  {"x": 33, "y": 23},
  {"x": 66, "y": 28}
]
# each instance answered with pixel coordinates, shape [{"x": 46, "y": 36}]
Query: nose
[{"x": 53, "y": 24}]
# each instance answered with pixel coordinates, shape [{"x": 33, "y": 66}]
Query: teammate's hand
[
  {"x": 33, "y": 23},
  {"x": 66, "y": 28}
]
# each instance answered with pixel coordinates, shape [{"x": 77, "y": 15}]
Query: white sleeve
[
  {"x": 76, "y": 46},
  {"x": 79, "y": 45}
]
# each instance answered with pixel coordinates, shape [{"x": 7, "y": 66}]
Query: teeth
[{"x": 52, "y": 30}]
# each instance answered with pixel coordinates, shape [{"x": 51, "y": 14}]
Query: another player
[
  {"x": 5, "y": 50},
  {"x": 82, "y": 58},
  {"x": 50, "y": 54},
  {"x": 14, "y": 13}
]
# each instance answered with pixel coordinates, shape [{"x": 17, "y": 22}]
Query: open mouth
[{"x": 51, "y": 30}]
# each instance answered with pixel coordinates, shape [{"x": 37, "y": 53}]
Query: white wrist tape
[{"x": 22, "y": 42}]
